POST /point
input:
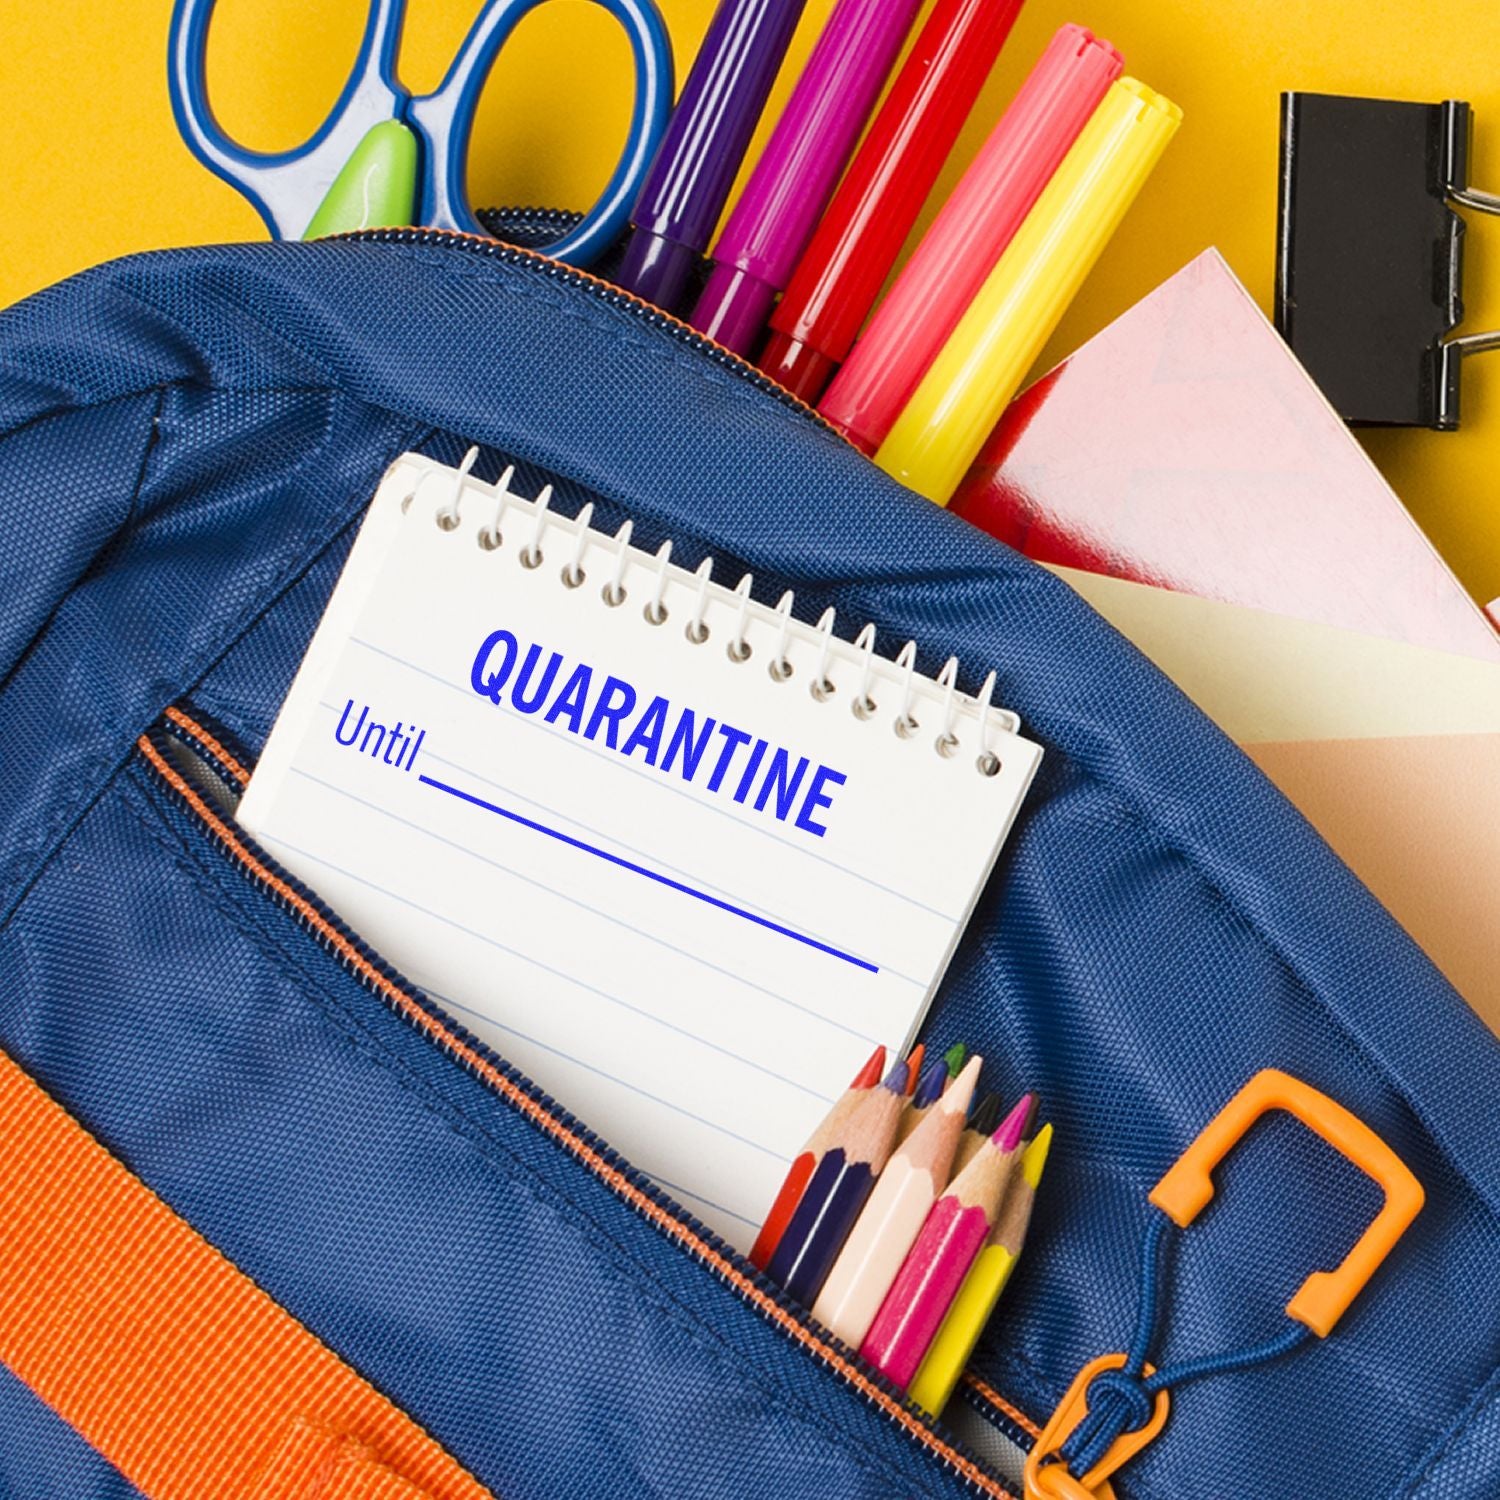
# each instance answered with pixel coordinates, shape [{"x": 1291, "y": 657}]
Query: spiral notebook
[{"x": 679, "y": 856}]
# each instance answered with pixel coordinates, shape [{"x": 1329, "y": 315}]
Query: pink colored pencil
[
  {"x": 892, "y": 1219},
  {"x": 953, "y": 1235}
]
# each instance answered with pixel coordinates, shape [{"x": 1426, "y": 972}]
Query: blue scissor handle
[
  {"x": 288, "y": 186},
  {"x": 285, "y": 186},
  {"x": 444, "y": 120}
]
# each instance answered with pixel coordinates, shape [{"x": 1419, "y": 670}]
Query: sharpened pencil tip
[
  {"x": 1034, "y": 1157},
  {"x": 1008, "y": 1136},
  {"x": 961, "y": 1091},
  {"x": 895, "y": 1080},
  {"x": 954, "y": 1058},
  {"x": 986, "y": 1114},
  {"x": 869, "y": 1075},
  {"x": 914, "y": 1065},
  {"x": 931, "y": 1084}
]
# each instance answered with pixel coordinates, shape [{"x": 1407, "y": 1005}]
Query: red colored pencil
[
  {"x": 839, "y": 1189},
  {"x": 806, "y": 1161}
]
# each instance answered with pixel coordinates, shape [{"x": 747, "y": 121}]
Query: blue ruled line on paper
[{"x": 666, "y": 880}]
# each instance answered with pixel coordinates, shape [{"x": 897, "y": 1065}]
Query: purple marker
[
  {"x": 700, "y": 154},
  {"x": 791, "y": 183}
]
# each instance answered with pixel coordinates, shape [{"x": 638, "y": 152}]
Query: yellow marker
[
  {"x": 981, "y": 1289},
  {"x": 942, "y": 428}
]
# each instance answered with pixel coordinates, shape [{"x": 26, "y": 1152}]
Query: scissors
[{"x": 387, "y": 157}]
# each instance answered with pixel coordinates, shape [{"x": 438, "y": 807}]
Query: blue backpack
[{"x": 189, "y": 439}]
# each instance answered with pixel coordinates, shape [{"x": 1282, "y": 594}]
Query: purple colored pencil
[
  {"x": 791, "y": 184},
  {"x": 706, "y": 140}
]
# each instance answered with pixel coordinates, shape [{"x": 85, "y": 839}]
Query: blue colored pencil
[
  {"x": 839, "y": 1188},
  {"x": 929, "y": 1090}
]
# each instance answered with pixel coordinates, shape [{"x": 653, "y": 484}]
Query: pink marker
[
  {"x": 968, "y": 236},
  {"x": 955, "y": 1232}
]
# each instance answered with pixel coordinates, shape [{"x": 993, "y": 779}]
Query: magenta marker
[{"x": 790, "y": 186}]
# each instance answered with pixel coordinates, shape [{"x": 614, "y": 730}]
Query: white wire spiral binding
[
  {"x": 739, "y": 647},
  {"x": 865, "y": 705},
  {"x": 823, "y": 687},
  {"x": 697, "y": 631},
  {"x": 781, "y": 666}
]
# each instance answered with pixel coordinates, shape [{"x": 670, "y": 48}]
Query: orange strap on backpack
[{"x": 168, "y": 1360}]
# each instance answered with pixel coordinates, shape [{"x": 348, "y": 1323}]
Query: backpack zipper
[
  {"x": 555, "y": 221},
  {"x": 634, "y": 1188}
]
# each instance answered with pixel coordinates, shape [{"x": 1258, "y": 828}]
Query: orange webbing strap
[{"x": 170, "y": 1362}]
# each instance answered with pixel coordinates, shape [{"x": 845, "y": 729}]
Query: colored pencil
[
  {"x": 951, "y": 1239},
  {"x": 799, "y": 1174},
  {"x": 914, "y": 1060},
  {"x": 983, "y": 1285},
  {"x": 955, "y": 1057},
  {"x": 981, "y": 1127},
  {"x": 894, "y": 1216},
  {"x": 838, "y": 1189},
  {"x": 928, "y": 1091}
]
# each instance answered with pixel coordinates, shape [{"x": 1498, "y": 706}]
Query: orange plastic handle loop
[
  {"x": 1322, "y": 1299},
  {"x": 1047, "y": 1476}
]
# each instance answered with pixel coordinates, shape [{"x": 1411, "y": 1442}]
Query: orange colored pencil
[{"x": 914, "y": 1067}]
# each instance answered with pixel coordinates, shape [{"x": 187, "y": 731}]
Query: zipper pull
[
  {"x": 1046, "y": 1474},
  {"x": 1129, "y": 1397}
]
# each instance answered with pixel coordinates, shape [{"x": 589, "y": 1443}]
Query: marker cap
[
  {"x": 732, "y": 310},
  {"x": 802, "y": 369},
  {"x": 657, "y": 268}
]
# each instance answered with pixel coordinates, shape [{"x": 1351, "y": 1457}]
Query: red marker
[
  {"x": 967, "y": 237},
  {"x": 845, "y": 265}
]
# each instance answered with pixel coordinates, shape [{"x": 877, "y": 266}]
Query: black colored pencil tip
[{"x": 986, "y": 1115}]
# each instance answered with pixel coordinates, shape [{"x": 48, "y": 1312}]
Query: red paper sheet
[{"x": 1185, "y": 447}]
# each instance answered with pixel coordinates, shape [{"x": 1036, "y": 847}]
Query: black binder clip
[{"x": 1369, "y": 253}]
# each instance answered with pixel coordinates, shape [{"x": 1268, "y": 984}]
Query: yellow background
[{"x": 95, "y": 167}]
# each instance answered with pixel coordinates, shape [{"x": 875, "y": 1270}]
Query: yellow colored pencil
[
  {"x": 976, "y": 1299},
  {"x": 942, "y": 428}
]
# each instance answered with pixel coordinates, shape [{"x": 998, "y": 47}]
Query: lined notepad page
[{"x": 680, "y": 891}]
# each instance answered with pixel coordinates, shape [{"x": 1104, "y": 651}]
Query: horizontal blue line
[
  {"x": 662, "y": 784},
  {"x": 666, "y": 880},
  {"x": 604, "y": 916}
]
